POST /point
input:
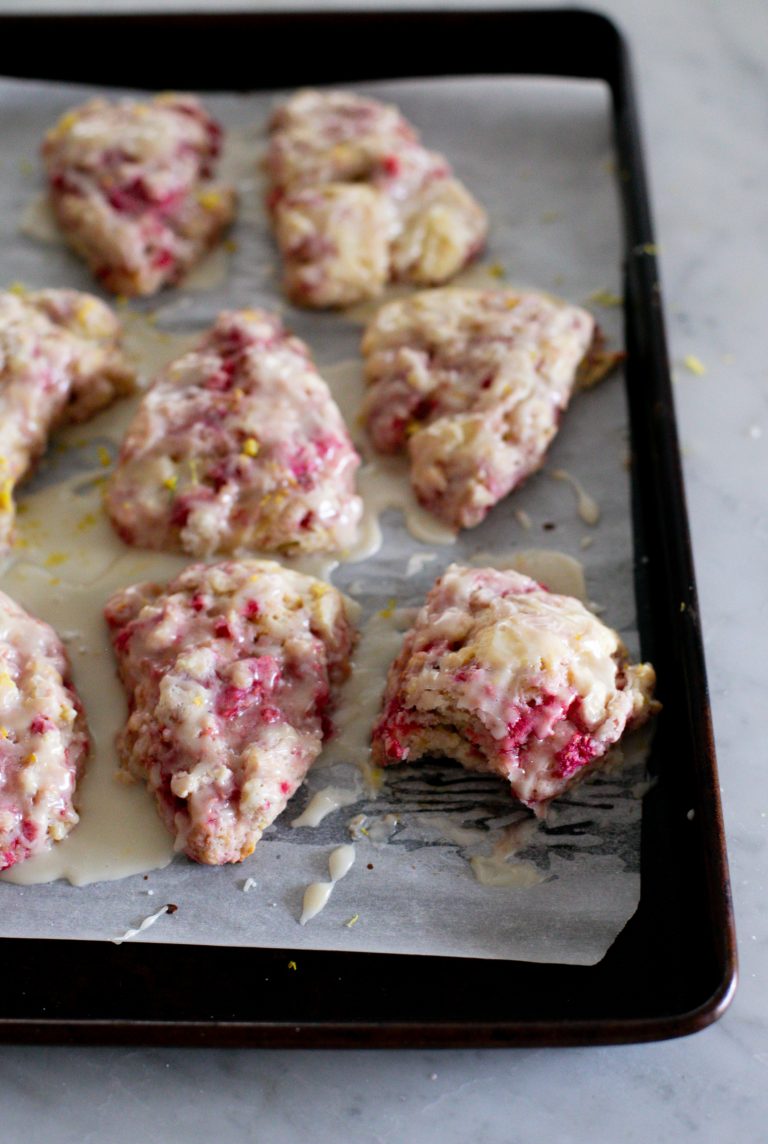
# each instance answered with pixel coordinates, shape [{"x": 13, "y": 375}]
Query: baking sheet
[{"x": 539, "y": 154}]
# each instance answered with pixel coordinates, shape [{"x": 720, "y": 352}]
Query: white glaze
[
  {"x": 377, "y": 828},
  {"x": 316, "y": 895},
  {"x": 497, "y": 869},
  {"x": 323, "y": 803},
  {"x": 145, "y": 924},
  {"x": 384, "y": 482},
  {"x": 498, "y": 872},
  {"x": 341, "y": 861},
  {"x": 556, "y": 570},
  {"x": 315, "y": 899},
  {"x": 418, "y": 561},
  {"x": 38, "y": 221},
  {"x": 586, "y": 505},
  {"x": 379, "y": 643}
]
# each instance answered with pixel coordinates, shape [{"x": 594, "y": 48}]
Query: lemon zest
[{"x": 694, "y": 364}]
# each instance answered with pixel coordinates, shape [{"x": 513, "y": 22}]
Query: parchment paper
[{"x": 538, "y": 153}]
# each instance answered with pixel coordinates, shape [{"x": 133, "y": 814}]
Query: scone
[
  {"x": 238, "y": 446},
  {"x": 43, "y": 736},
  {"x": 357, "y": 201},
  {"x": 508, "y": 678},
  {"x": 472, "y": 383},
  {"x": 60, "y": 361},
  {"x": 130, "y": 185},
  {"x": 231, "y": 672}
]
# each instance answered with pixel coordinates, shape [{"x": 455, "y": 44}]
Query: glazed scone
[
  {"x": 130, "y": 185},
  {"x": 472, "y": 383},
  {"x": 508, "y": 678},
  {"x": 357, "y": 201},
  {"x": 43, "y": 736},
  {"x": 60, "y": 361},
  {"x": 238, "y": 446},
  {"x": 231, "y": 672}
]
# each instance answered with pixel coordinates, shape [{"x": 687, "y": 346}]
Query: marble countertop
[{"x": 701, "y": 74}]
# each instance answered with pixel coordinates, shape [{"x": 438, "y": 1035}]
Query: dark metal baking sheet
[{"x": 673, "y": 968}]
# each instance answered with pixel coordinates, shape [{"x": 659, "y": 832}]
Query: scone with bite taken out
[{"x": 509, "y": 678}]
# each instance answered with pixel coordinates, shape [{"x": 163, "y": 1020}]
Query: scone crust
[
  {"x": 130, "y": 183},
  {"x": 238, "y": 447},
  {"x": 60, "y": 361},
  {"x": 231, "y": 671},
  {"x": 473, "y": 384},
  {"x": 357, "y": 201},
  {"x": 43, "y": 736}
]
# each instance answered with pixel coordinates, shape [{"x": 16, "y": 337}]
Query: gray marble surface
[{"x": 701, "y": 71}]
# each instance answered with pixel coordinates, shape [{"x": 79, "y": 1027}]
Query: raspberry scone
[
  {"x": 508, "y": 678},
  {"x": 473, "y": 384},
  {"x": 230, "y": 672},
  {"x": 357, "y": 201},
  {"x": 130, "y": 185},
  {"x": 60, "y": 361},
  {"x": 238, "y": 446},
  {"x": 43, "y": 736}
]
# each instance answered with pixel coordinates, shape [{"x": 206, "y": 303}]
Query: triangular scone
[
  {"x": 130, "y": 187},
  {"x": 238, "y": 446},
  {"x": 473, "y": 384},
  {"x": 59, "y": 361},
  {"x": 357, "y": 201},
  {"x": 43, "y": 736},
  {"x": 230, "y": 672},
  {"x": 506, "y": 677}
]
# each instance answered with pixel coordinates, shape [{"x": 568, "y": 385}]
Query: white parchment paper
[{"x": 538, "y": 153}]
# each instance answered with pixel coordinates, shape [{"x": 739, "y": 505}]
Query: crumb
[{"x": 549, "y": 525}]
